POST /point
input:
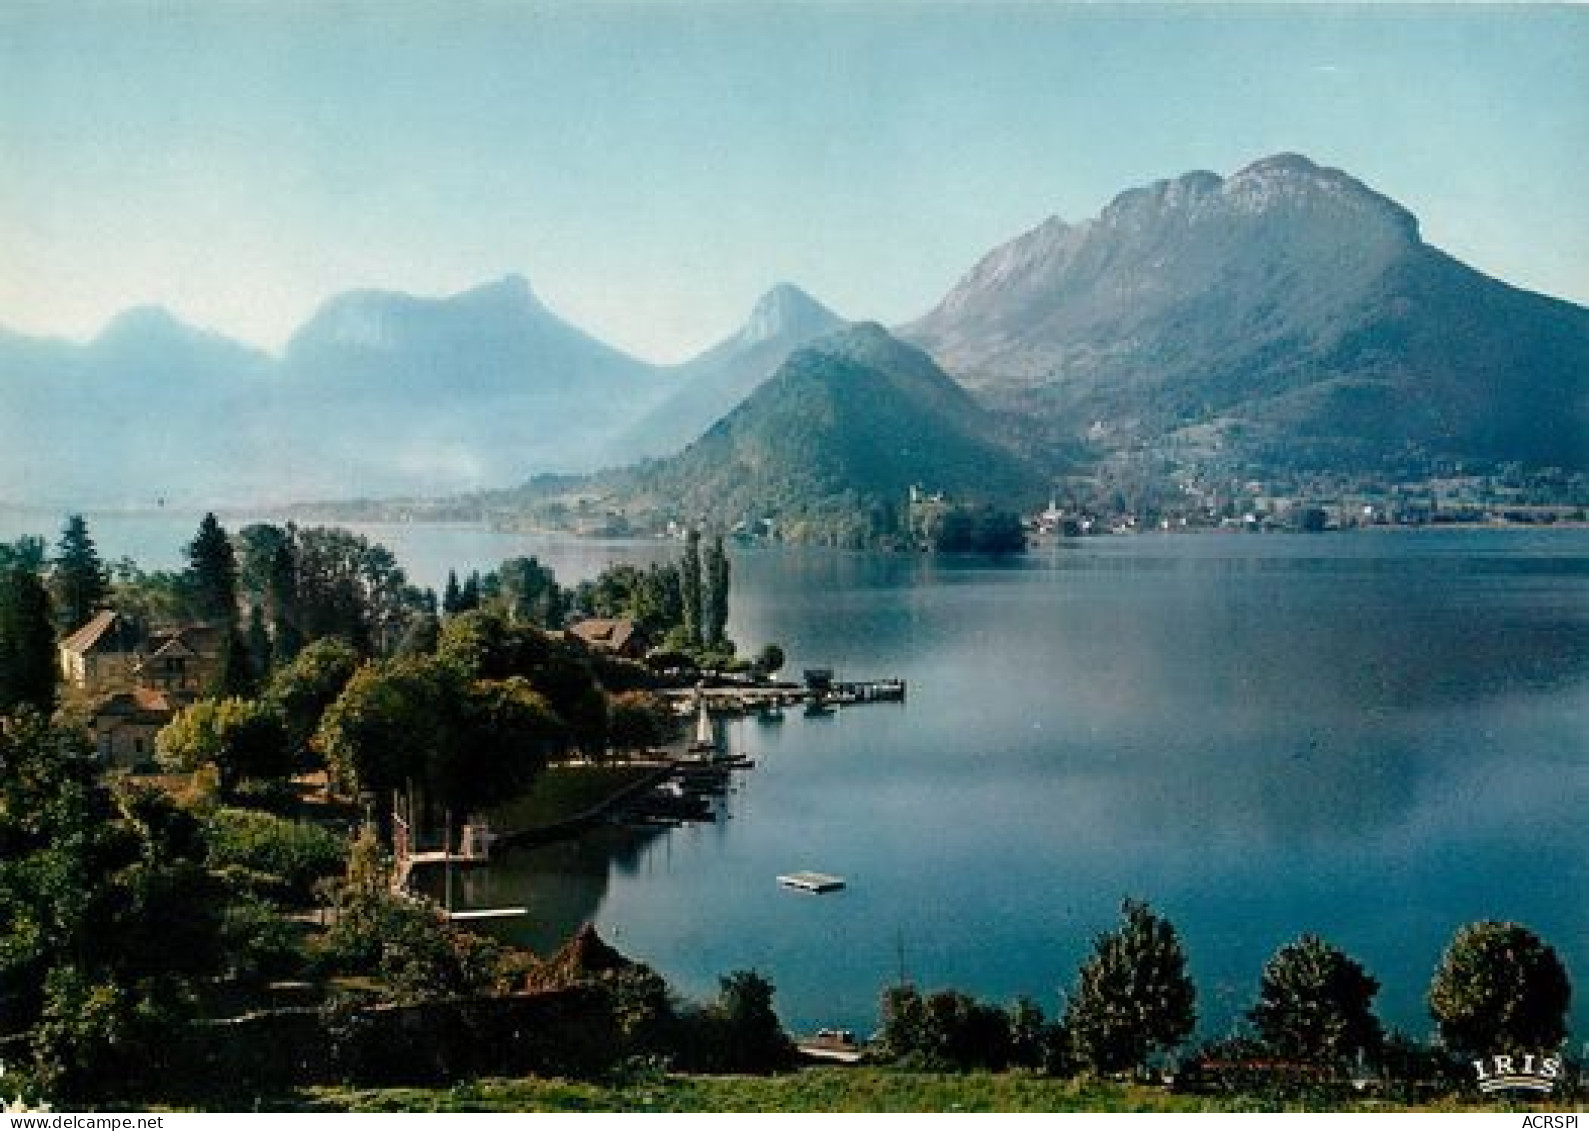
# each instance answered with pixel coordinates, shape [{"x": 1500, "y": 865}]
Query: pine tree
[
  {"x": 212, "y": 573},
  {"x": 79, "y": 581},
  {"x": 715, "y": 601},
  {"x": 451, "y": 596},
  {"x": 690, "y": 586},
  {"x": 27, "y": 643}
]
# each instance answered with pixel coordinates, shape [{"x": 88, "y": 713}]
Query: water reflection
[{"x": 1263, "y": 739}]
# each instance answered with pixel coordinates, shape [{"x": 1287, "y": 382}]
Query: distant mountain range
[
  {"x": 379, "y": 393},
  {"x": 1286, "y": 317}
]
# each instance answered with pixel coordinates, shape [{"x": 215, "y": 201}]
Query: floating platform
[{"x": 815, "y": 882}]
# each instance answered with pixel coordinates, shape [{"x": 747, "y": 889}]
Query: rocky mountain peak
[{"x": 787, "y": 312}]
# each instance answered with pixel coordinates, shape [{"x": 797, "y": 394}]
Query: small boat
[
  {"x": 831, "y": 1044},
  {"x": 705, "y": 741},
  {"x": 817, "y": 883}
]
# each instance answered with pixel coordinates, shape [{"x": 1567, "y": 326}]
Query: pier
[
  {"x": 474, "y": 847},
  {"x": 820, "y": 690}
]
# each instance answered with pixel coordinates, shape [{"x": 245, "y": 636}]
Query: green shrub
[{"x": 295, "y": 853}]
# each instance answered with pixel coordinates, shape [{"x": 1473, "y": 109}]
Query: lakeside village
[
  {"x": 1187, "y": 500},
  {"x": 1120, "y": 498},
  {"x": 218, "y": 788}
]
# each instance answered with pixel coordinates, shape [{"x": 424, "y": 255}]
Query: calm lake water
[{"x": 1372, "y": 736}]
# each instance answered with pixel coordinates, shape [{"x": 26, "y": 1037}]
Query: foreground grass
[{"x": 815, "y": 1090}]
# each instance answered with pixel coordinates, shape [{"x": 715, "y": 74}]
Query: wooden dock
[{"x": 751, "y": 699}]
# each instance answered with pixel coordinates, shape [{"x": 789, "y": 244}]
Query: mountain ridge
[
  {"x": 1231, "y": 314},
  {"x": 825, "y": 450},
  {"x": 721, "y": 377}
]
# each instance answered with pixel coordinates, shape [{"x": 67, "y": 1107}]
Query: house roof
[
  {"x": 176, "y": 646},
  {"x": 141, "y": 704},
  {"x": 103, "y": 632},
  {"x": 199, "y": 639},
  {"x": 612, "y": 634}
]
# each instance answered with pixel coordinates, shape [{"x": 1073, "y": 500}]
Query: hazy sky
[{"x": 652, "y": 168}]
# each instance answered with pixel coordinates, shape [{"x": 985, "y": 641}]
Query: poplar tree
[
  {"x": 690, "y": 587},
  {"x": 281, "y": 594},
  {"x": 716, "y": 598},
  {"x": 79, "y": 581}
]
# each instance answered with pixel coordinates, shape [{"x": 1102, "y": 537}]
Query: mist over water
[{"x": 1376, "y": 738}]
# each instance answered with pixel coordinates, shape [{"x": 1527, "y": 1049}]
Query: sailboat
[{"x": 705, "y": 741}]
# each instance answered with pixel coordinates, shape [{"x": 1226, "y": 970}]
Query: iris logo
[{"x": 1529, "y": 1072}]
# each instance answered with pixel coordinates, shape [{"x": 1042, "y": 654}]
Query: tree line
[{"x": 1498, "y": 988}]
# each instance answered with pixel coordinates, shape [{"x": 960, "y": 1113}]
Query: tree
[
  {"x": 637, "y": 720},
  {"x": 770, "y": 660},
  {"x": 26, "y": 552},
  {"x": 1499, "y": 988},
  {"x": 527, "y": 591},
  {"x": 109, "y": 922},
  {"x": 212, "y": 573},
  {"x": 505, "y": 731},
  {"x": 1133, "y": 994},
  {"x": 756, "y": 1041},
  {"x": 27, "y": 643},
  {"x": 391, "y": 723},
  {"x": 421, "y": 636},
  {"x": 79, "y": 582},
  {"x": 469, "y": 595},
  {"x": 947, "y": 1030},
  {"x": 691, "y": 589},
  {"x": 1032, "y": 1038},
  {"x": 245, "y": 740},
  {"x": 1315, "y": 1004},
  {"x": 234, "y": 677},
  {"x": 452, "y": 595},
  {"x": 423, "y": 721},
  {"x": 261, "y": 655},
  {"x": 281, "y": 596},
  {"x": 257, "y": 546},
  {"x": 715, "y": 598},
  {"x": 301, "y": 691},
  {"x": 347, "y": 586}
]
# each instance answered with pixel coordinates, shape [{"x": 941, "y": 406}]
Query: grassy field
[
  {"x": 821, "y": 1090},
  {"x": 562, "y": 792}
]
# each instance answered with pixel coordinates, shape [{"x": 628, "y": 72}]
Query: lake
[{"x": 1373, "y": 736}]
